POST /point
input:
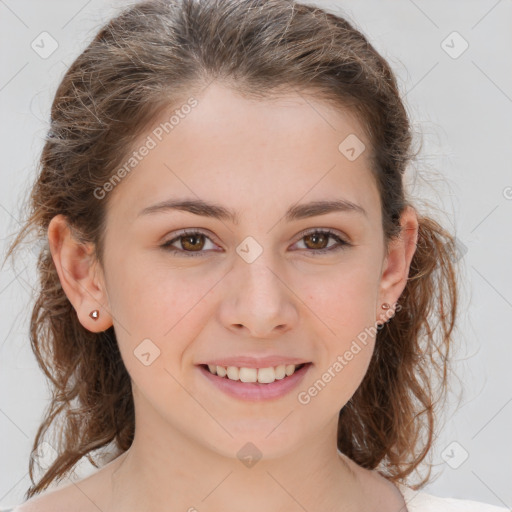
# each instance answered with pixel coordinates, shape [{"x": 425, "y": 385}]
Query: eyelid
[
  {"x": 339, "y": 237},
  {"x": 188, "y": 231},
  {"x": 300, "y": 235},
  {"x": 331, "y": 231}
]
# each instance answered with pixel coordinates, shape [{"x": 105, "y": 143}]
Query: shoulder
[
  {"x": 420, "y": 501},
  {"x": 55, "y": 500},
  {"x": 79, "y": 496},
  {"x": 86, "y": 494}
]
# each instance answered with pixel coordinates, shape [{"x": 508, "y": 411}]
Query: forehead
[{"x": 265, "y": 151}]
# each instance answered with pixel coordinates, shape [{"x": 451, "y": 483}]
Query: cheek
[
  {"x": 159, "y": 310},
  {"x": 158, "y": 319},
  {"x": 343, "y": 308},
  {"x": 343, "y": 297},
  {"x": 151, "y": 297}
]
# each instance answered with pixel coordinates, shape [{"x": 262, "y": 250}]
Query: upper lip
[{"x": 254, "y": 362}]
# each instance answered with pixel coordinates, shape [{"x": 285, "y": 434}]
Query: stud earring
[
  {"x": 385, "y": 305},
  {"x": 94, "y": 314}
]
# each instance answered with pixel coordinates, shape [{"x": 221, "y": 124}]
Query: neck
[{"x": 166, "y": 471}]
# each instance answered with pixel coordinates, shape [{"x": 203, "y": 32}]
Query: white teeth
[
  {"x": 290, "y": 368},
  {"x": 247, "y": 374},
  {"x": 233, "y": 373},
  {"x": 261, "y": 375},
  {"x": 280, "y": 372},
  {"x": 266, "y": 375}
]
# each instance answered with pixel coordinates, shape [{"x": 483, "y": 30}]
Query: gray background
[{"x": 461, "y": 107}]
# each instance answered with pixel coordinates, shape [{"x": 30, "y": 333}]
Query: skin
[{"x": 259, "y": 158}]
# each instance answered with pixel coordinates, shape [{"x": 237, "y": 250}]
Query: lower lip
[{"x": 255, "y": 390}]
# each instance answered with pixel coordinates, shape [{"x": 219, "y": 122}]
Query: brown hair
[{"x": 152, "y": 55}]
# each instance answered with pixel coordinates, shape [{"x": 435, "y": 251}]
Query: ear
[
  {"x": 80, "y": 275},
  {"x": 395, "y": 269}
]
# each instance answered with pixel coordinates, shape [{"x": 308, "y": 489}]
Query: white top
[{"x": 420, "y": 501}]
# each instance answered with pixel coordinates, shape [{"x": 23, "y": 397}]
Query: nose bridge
[
  {"x": 258, "y": 280},
  {"x": 259, "y": 300}
]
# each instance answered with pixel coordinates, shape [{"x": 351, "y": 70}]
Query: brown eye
[
  {"x": 192, "y": 242},
  {"x": 189, "y": 243},
  {"x": 318, "y": 240}
]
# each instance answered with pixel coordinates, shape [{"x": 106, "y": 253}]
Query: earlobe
[
  {"x": 76, "y": 269},
  {"x": 399, "y": 258}
]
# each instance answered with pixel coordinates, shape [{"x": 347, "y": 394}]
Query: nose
[{"x": 258, "y": 300}]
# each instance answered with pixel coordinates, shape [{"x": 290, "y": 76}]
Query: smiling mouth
[{"x": 254, "y": 375}]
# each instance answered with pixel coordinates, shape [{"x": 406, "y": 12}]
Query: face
[{"x": 301, "y": 286}]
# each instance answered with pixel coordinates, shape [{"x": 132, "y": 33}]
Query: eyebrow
[{"x": 295, "y": 212}]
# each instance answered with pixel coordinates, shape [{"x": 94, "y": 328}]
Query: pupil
[
  {"x": 189, "y": 240},
  {"x": 315, "y": 238}
]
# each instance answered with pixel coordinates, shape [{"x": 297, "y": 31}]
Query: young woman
[{"x": 238, "y": 299}]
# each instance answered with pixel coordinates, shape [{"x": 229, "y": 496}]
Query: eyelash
[{"x": 341, "y": 243}]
